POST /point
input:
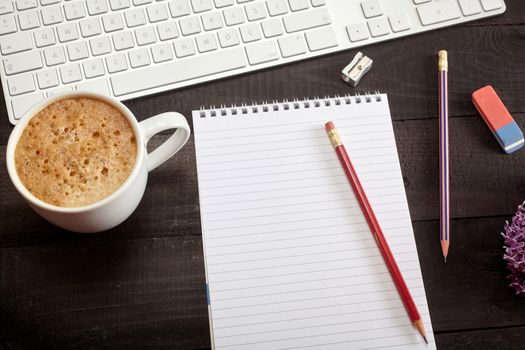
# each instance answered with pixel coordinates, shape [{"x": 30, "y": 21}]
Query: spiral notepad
[{"x": 290, "y": 261}]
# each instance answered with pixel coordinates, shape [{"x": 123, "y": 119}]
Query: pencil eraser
[{"x": 498, "y": 119}]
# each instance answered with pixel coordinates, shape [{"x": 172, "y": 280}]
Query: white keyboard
[{"x": 132, "y": 48}]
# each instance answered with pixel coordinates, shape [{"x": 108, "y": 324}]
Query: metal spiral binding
[{"x": 274, "y": 106}]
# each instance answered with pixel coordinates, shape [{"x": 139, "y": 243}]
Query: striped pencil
[{"x": 444, "y": 234}]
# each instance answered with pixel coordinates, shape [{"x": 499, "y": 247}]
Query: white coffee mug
[{"x": 117, "y": 207}]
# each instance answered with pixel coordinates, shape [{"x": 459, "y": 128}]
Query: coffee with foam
[{"x": 75, "y": 152}]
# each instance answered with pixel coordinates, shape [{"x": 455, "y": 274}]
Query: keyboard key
[
  {"x": 470, "y": 7},
  {"x": 190, "y": 25},
  {"x": 179, "y": 8},
  {"x": 6, "y": 6},
  {"x": 116, "y": 5},
  {"x": 67, "y": 32},
  {"x": 25, "y": 4},
  {"x": 65, "y": 88},
  {"x": 54, "y": 55},
  {"x": 491, "y": 5},
  {"x": 200, "y": 5},
  {"x": 16, "y": 42},
  {"x": 206, "y": 42},
  {"x": 371, "y": 8},
  {"x": 135, "y": 18},
  {"x": 141, "y": 2},
  {"x": 70, "y": 73},
  {"x": 29, "y": 20},
  {"x": 255, "y": 11},
  {"x": 276, "y": 7},
  {"x": 157, "y": 13},
  {"x": 161, "y": 53},
  {"x": 74, "y": 10},
  {"x": 306, "y": 20},
  {"x": 123, "y": 41},
  {"x": 184, "y": 47},
  {"x": 438, "y": 12},
  {"x": 167, "y": 30},
  {"x": 357, "y": 32},
  {"x": 116, "y": 63},
  {"x": 262, "y": 52},
  {"x": 297, "y": 5},
  {"x": 21, "y": 84},
  {"x": 98, "y": 86},
  {"x": 21, "y": 104},
  {"x": 399, "y": 22},
  {"x": 211, "y": 20},
  {"x": 93, "y": 68},
  {"x": 233, "y": 16},
  {"x": 316, "y": 3},
  {"x": 139, "y": 58},
  {"x": 228, "y": 37},
  {"x": 90, "y": 27},
  {"x": 145, "y": 36},
  {"x": 112, "y": 22},
  {"x": 7, "y": 24},
  {"x": 292, "y": 45},
  {"x": 96, "y": 7},
  {"x": 162, "y": 75},
  {"x": 77, "y": 51},
  {"x": 250, "y": 32},
  {"x": 22, "y": 62},
  {"x": 272, "y": 27},
  {"x": 222, "y": 3},
  {"x": 47, "y": 78},
  {"x": 379, "y": 27},
  {"x": 100, "y": 46},
  {"x": 49, "y": 2},
  {"x": 44, "y": 37},
  {"x": 322, "y": 38},
  {"x": 51, "y": 15}
]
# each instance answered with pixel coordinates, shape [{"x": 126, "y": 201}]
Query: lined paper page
[{"x": 290, "y": 261}]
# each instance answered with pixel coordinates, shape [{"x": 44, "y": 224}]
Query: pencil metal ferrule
[
  {"x": 335, "y": 138},
  {"x": 442, "y": 60}
]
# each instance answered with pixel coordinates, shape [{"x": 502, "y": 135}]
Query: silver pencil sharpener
[{"x": 356, "y": 69}]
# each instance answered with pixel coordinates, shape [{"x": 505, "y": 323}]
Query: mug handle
[{"x": 159, "y": 123}]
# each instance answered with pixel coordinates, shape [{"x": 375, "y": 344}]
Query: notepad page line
[
  {"x": 385, "y": 227},
  {"x": 293, "y": 197},
  {"x": 315, "y": 262},
  {"x": 345, "y": 239},
  {"x": 300, "y": 147},
  {"x": 333, "y": 267},
  {"x": 311, "y": 308},
  {"x": 309, "y": 317},
  {"x": 323, "y": 335},
  {"x": 281, "y": 125},
  {"x": 253, "y": 141},
  {"x": 304, "y": 290},
  {"x": 304, "y": 237},
  {"x": 401, "y": 315},
  {"x": 340, "y": 179},
  {"x": 358, "y": 315}
]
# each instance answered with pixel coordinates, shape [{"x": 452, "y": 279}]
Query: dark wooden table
[{"x": 141, "y": 285}]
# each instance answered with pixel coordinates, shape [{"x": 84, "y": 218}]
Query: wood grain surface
[{"x": 141, "y": 285}]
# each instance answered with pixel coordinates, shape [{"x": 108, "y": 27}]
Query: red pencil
[{"x": 401, "y": 286}]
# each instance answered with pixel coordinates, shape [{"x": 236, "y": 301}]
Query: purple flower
[{"x": 515, "y": 250}]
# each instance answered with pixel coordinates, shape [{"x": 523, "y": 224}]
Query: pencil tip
[
  {"x": 425, "y": 338},
  {"x": 445, "y": 257}
]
